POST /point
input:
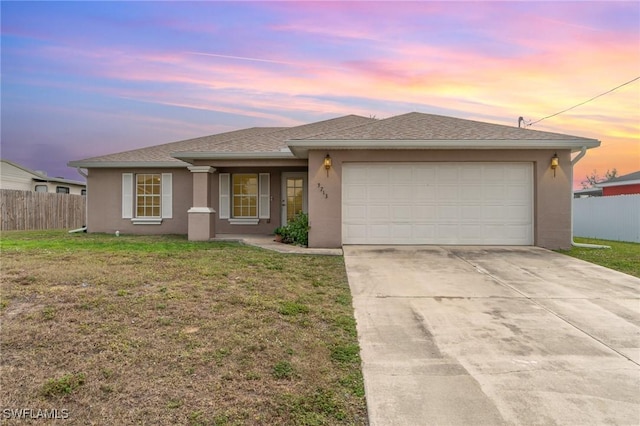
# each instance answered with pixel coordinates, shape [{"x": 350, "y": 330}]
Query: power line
[{"x": 585, "y": 102}]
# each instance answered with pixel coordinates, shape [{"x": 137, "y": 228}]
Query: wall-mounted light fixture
[
  {"x": 327, "y": 163},
  {"x": 554, "y": 163}
]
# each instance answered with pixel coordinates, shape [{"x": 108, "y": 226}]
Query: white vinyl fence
[{"x": 614, "y": 218}]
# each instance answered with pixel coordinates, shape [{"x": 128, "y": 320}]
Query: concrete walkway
[
  {"x": 268, "y": 242},
  {"x": 490, "y": 336}
]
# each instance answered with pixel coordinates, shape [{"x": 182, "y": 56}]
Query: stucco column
[{"x": 201, "y": 215}]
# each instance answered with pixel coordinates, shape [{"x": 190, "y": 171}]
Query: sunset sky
[{"x": 81, "y": 79}]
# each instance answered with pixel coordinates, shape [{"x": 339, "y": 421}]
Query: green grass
[
  {"x": 167, "y": 331},
  {"x": 622, "y": 256},
  {"x": 63, "y": 385}
]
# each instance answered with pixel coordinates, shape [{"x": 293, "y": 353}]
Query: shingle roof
[
  {"x": 252, "y": 140},
  {"x": 162, "y": 153},
  {"x": 277, "y": 141},
  {"x": 419, "y": 126},
  {"x": 345, "y": 132}
]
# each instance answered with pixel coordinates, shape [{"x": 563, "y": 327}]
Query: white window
[
  {"x": 62, "y": 189},
  {"x": 42, "y": 188},
  {"x": 147, "y": 197},
  {"x": 244, "y": 197}
]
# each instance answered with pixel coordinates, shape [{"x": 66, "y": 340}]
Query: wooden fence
[{"x": 26, "y": 210}]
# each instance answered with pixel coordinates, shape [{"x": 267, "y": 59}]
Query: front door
[{"x": 294, "y": 195}]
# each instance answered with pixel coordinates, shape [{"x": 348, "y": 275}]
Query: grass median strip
[
  {"x": 160, "y": 330},
  {"x": 622, "y": 256}
]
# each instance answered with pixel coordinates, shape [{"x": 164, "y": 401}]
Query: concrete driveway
[{"x": 494, "y": 335}]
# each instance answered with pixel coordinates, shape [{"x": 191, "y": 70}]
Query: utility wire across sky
[{"x": 585, "y": 102}]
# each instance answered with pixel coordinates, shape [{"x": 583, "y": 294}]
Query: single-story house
[
  {"x": 409, "y": 179},
  {"x": 587, "y": 192},
  {"x": 17, "y": 177},
  {"x": 621, "y": 185}
]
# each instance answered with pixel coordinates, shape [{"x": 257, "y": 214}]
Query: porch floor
[{"x": 268, "y": 242}]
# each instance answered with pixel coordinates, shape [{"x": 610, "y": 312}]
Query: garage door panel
[
  {"x": 492, "y": 214},
  {"x": 381, "y": 177},
  {"x": 379, "y": 230},
  {"x": 492, "y": 193},
  {"x": 402, "y": 213},
  {"x": 401, "y": 193},
  {"x": 402, "y": 230},
  {"x": 355, "y": 195},
  {"x": 426, "y": 192},
  {"x": 425, "y": 213},
  {"x": 518, "y": 194},
  {"x": 422, "y": 231},
  {"x": 447, "y": 173},
  {"x": 438, "y": 203},
  {"x": 447, "y": 193},
  {"x": 378, "y": 213},
  {"x": 355, "y": 175},
  {"x": 521, "y": 214},
  {"x": 493, "y": 174},
  {"x": 517, "y": 175},
  {"x": 471, "y": 192},
  {"x": 470, "y": 214},
  {"x": 447, "y": 214},
  {"x": 356, "y": 232},
  {"x": 401, "y": 175},
  {"x": 378, "y": 193},
  {"x": 355, "y": 213}
]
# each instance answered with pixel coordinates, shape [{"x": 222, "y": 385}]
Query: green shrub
[{"x": 296, "y": 231}]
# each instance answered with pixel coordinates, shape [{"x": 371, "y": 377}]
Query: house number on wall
[{"x": 321, "y": 189}]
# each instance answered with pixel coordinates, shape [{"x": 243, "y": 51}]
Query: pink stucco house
[{"x": 409, "y": 179}]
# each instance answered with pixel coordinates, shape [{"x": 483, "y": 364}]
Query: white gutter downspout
[
  {"x": 577, "y": 158},
  {"x": 86, "y": 207}
]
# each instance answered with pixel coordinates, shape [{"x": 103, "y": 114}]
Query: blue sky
[{"x": 81, "y": 79}]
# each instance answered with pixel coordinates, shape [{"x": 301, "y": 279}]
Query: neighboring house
[
  {"x": 15, "y": 176},
  {"x": 587, "y": 192},
  {"x": 621, "y": 185},
  {"x": 410, "y": 179}
]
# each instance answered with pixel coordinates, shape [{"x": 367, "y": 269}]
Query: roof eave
[
  {"x": 619, "y": 183},
  {"x": 126, "y": 164},
  {"x": 301, "y": 148},
  {"x": 62, "y": 180},
  {"x": 270, "y": 155}
]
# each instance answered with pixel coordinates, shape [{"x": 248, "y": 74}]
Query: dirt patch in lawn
[{"x": 159, "y": 330}]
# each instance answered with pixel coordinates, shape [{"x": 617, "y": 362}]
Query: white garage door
[{"x": 437, "y": 203}]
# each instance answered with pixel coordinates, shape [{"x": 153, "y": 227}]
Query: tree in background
[{"x": 594, "y": 178}]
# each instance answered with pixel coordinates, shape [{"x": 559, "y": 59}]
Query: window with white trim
[
  {"x": 42, "y": 188},
  {"x": 62, "y": 189},
  {"x": 244, "y": 197},
  {"x": 148, "y": 186},
  {"x": 147, "y": 198}
]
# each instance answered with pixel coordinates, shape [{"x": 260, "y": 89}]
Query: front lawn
[
  {"x": 163, "y": 331},
  {"x": 623, "y": 257}
]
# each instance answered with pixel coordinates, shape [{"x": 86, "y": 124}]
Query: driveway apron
[{"x": 494, "y": 335}]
